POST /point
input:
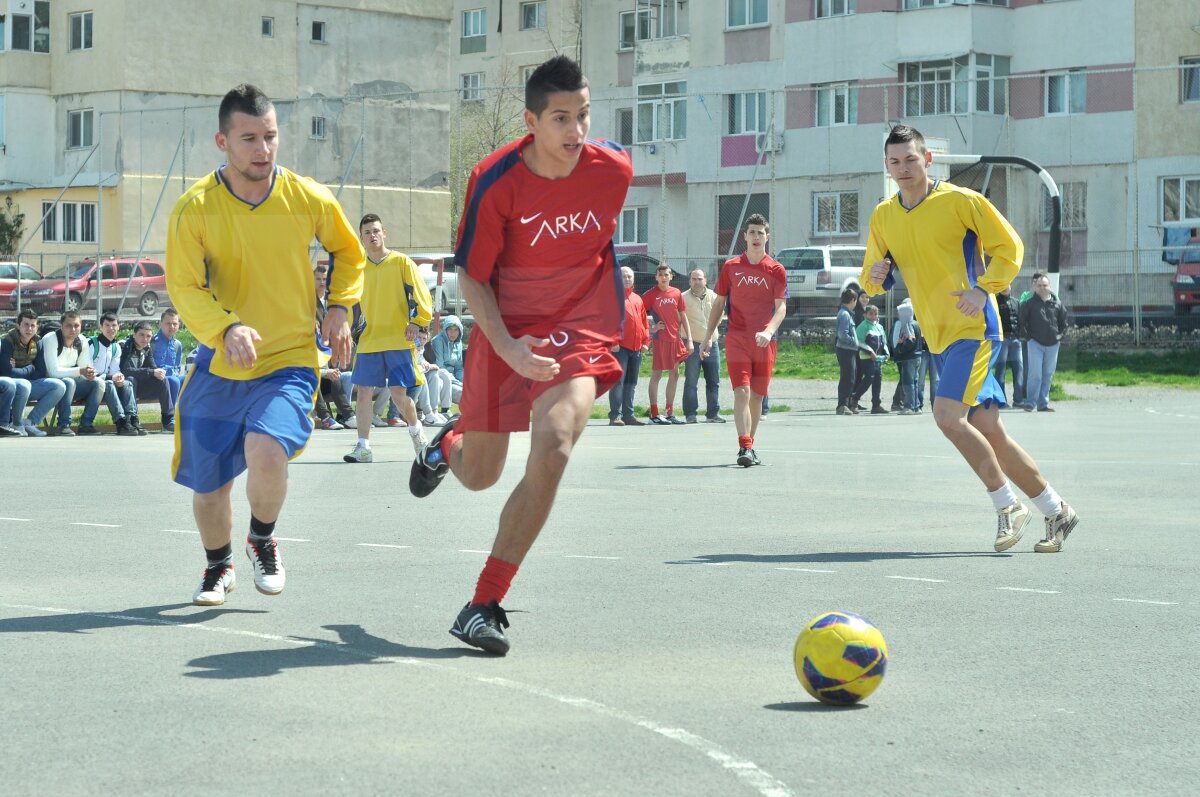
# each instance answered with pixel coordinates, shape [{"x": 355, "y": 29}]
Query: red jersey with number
[
  {"x": 752, "y": 289},
  {"x": 667, "y": 306},
  {"x": 545, "y": 246}
]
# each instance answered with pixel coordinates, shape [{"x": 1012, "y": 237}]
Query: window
[
  {"x": 533, "y": 16},
  {"x": 991, "y": 83},
  {"x": 81, "y": 31},
  {"x": 837, "y": 104},
  {"x": 75, "y": 220},
  {"x": 79, "y": 128},
  {"x": 634, "y": 226},
  {"x": 835, "y": 213},
  {"x": 268, "y": 27},
  {"x": 22, "y": 32},
  {"x": 624, "y": 126},
  {"x": 911, "y": 4},
  {"x": 1066, "y": 92},
  {"x": 318, "y": 32},
  {"x": 662, "y": 111},
  {"x": 41, "y": 26},
  {"x": 527, "y": 72},
  {"x": 474, "y": 23},
  {"x": 833, "y": 8},
  {"x": 3, "y": 31},
  {"x": 653, "y": 19},
  {"x": 747, "y": 113},
  {"x": 740, "y": 13},
  {"x": 732, "y": 212},
  {"x": 1189, "y": 80},
  {"x": 50, "y": 223},
  {"x": 318, "y": 127},
  {"x": 1074, "y": 206},
  {"x": 936, "y": 87},
  {"x": 1181, "y": 199},
  {"x": 471, "y": 87},
  {"x": 635, "y": 25},
  {"x": 67, "y": 212}
]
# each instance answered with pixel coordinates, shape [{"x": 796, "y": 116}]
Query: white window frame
[
  {"x": 70, "y": 222},
  {"x": 837, "y": 104},
  {"x": 990, "y": 85},
  {"x": 268, "y": 27},
  {"x": 470, "y": 87},
  {"x": 1189, "y": 79},
  {"x": 945, "y": 81},
  {"x": 823, "y": 9},
  {"x": 474, "y": 23},
  {"x": 1068, "y": 90},
  {"x": 317, "y": 128},
  {"x": 1073, "y": 199},
  {"x": 85, "y": 119},
  {"x": 538, "y": 7},
  {"x": 82, "y": 21},
  {"x": 633, "y": 226},
  {"x": 747, "y": 9},
  {"x": 913, "y": 5},
  {"x": 661, "y": 112},
  {"x": 839, "y": 198},
  {"x": 620, "y": 126},
  {"x": 50, "y": 225},
  {"x": 320, "y": 32},
  {"x": 527, "y": 72},
  {"x": 746, "y": 112},
  {"x": 1184, "y": 193}
]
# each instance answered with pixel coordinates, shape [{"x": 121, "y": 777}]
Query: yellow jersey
[
  {"x": 230, "y": 262},
  {"x": 939, "y": 247},
  {"x": 394, "y": 296}
]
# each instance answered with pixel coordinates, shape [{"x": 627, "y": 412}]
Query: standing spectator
[
  {"x": 906, "y": 351},
  {"x": 65, "y": 356},
  {"x": 846, "y": 348},
  {"x": 672, "y": 340},
  {"x": 635, "y": 338},
  {"x": 19, "y": 362},
  {"x": 1043, "y": 322},
  {"x": 860, "y": 309},
  {"x": 699, "y": 298},
  {"x": 137, "y": 363},
  {"x": 168, "y": 355},
  {"x": 873, "y": 353},
  {"x": 118, "y": 393},
  {"x": 1010, "y": 347}
]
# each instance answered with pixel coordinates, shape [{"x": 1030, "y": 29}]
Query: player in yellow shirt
[
  {"x": 936, "y": 234},
  {"x": 238, "y": 271},
  {"x": 396, "y": 307}
]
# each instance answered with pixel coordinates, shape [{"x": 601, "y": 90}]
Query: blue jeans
[
  {"x": 1042, "y": 362},
  {"x": 928, "y": 366},
  {"x": 91, "y": 389},
  {"x": 169, "y": 395},
  {"x": 620, "y": 397},
  {"x": 1011, "y": 354},
  {"x": 14, "y": 394},
  {"x": 120, "y": 400},
  {"x": 910, "y": 372},
  {"x": 711, "y": 366},
  {"x": 46, "y": 394}
]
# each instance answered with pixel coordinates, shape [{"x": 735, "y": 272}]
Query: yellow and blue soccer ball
[{"x": 840, "y": 658}]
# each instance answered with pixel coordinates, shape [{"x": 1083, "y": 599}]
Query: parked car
[
  {"x": 146, "y": 282},
  {"x": 9, "y": 271},
  {"x": 427, "y": 263},
  {"x": 644, "y": 268},
  {"x": 817, "y": 275},
  {"x": 1186, "y": 285}
]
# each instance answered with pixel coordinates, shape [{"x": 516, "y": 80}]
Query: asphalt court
[{"x": 652, "y": 624}]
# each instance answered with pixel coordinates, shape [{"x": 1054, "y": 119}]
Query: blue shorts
[
  {"x": 395, "y": 368},
  {"x": 966, "y": 373},
  {"x": 213, "y": 416}
]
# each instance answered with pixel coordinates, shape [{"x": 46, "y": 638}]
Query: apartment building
[{"x": 117, "y": 100}]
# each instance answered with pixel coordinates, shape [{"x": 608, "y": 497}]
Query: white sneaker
[
  {"x": 419, "y": 442},
  {"x": 378, "y": 422},
  {"x": 350, "y": 422},
  {"x": 1010, "y": 525},
  {"x": 359, "y": 454},
  {"x": 268, "y": 566},
  {"x": 434, "y": 419},
  {"x": 1057, "y": 529},
  {"x": 215, "y": 584},
  {"x": 32, "y": 430}
]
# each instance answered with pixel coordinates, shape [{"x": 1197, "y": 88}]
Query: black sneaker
[
  {"x": 124, "y": 428},
  {"x": 67, "y": 431},
  {"x": 136, "y": 423},
  {"x": 657, "y": 420},
  {"x": 89, "y": 429},
  {"x": 671, "y": 419},
  {"x": 714, "y": 419},
  {"x": 744, "y": 458},
  {"x": 430, "y": 466},
  {"x": 169, "y": 427},
  {"x": 481, "y": 627},
  {"x": 754, "y": 460}
]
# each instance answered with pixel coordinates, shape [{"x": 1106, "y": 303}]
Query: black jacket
[
  {"x": 1046, "y": 322},
  {"x": 1009, "y": 320},
  {"x": 136, "y": 363}
]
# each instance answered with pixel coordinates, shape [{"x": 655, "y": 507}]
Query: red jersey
[
  {"x": 667, "y": 307},
  {"x": 545, "y": 246},
  {"x": 752, "y": 289},
  {"x": 636, "y": 333}
]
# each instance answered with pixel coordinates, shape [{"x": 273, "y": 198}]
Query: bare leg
[
  {"x": 653, "y": 387},
  {"x": 742, "y": 419},
  {"x": 214, "y": 516},
  {"x": 407, "y": 407},
  {"x": 365, "y": 406},
  {"x": 266, "y": 476},
  {"x": 951, "y": 418},
  {"x": 755, "y": 412},
  {"x": 477, "y": 458},
  {"x": 1016, "y": 464},
  {"x": 672, "y": 384}
]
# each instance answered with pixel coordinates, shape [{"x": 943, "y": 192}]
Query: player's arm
[
  {"x": 345, "y": 276},
  {"x": 763, "y": 338},
  {"x": 517, "y": 352},
  {"x": 714, "y": 321},
  {"x": 423, "y": 313},
  {"x": 877, "y": 263},
  {"x": 1000, "y": 241}
]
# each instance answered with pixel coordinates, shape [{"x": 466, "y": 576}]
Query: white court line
[
  {"x": 584, "y": 556},
  {"x": 99, "y": 525},
  {"x": 471, "y": 550},
  {"x": 181, "y": 531},
  {"x": 291, "y": 539},
  {"x": 914, "y": 578},
  {"x": 380, "y": 545},
  {"x": 1153, "y": 411},
  {"x": 1153, "y": 603},
  {"x": 745, "y": 770},
  {"x": 18, "y": 519},
  {"x": 805, "y": 570},
  {"x": 1038, "y": 591}
]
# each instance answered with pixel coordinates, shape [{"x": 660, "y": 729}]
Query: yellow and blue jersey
[
  {"x": 231, "y": 262},
  {"x": 939, "y": 247},
  {"x": 394, "y": 295}
]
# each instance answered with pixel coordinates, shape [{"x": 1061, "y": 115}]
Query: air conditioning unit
[{"x": 768, "y": 142}]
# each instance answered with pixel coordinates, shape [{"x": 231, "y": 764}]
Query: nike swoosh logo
[
  {"x": 595, "y": 359},
  {"x": 739, "y": 273},
  {"x": 531, "y": 218}
]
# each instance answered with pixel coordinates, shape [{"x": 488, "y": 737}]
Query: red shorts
[
  {"x": 496, "y": 398},
  {"x": 668, "y": 352},
  {"x": 748, "y": 363}
]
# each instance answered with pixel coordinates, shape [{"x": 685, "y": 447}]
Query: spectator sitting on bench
[
  {"x": 168, "y": 355},
  {"x": 142, "y": 372},
  {"x": 19, "y": 362},
  {"x": 66, "y": 356},
  {"x": 118, "y": 392}
]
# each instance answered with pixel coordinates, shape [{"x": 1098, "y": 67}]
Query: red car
[
  {"x": 8, "y": 280},
  {"x": 143, "y": 285},
  {"x": 1186, "y": 285}
]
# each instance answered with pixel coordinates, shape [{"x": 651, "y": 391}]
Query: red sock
[
  {"x": 448, "y": 442},
  {"x": 745, "y": 441},
  {"x": 494, "y": 581},
  {"x": 670, "y": 410},
  {"x": 653, "y": 410}
]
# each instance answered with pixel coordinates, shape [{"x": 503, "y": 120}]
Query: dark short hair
[
  {"x": 167, "y": 312},
  {"x": 109, "y": 316},
  {"x": 62, "y": 319},
  {"x": 1037, "y": 275},
  {"x": 902, "y": 134},
  {"x": 242, "y": 98},
  {"x": 560, "y": 73},
  {"x": 368, "y": 219},
  {"x": 662, "y": 268},
  {"x": 757, "y": 218},
  {"x": 27, "y": 312},
  {"x": 140, "y": 325},
  {"x": 849, "y": 295}
]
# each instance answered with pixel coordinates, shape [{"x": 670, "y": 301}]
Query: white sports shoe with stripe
[
  {"x": 269, "y": 577},
  {"x": 1010, "y": 525},
  {"x": 215, "y": 584}
]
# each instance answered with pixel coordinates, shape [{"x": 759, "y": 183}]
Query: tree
[{"x": 12, "y": 227}]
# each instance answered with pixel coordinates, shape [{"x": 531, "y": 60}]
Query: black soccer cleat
[
  {"x": 744, "y": 458},
  {"x": 430, "y": 466},
  {"x": 481, "y": 627}
]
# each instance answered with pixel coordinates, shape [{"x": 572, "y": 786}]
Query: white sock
[
  {"x": 364, "y": 443},
  {"x": 1003, "y": 498},
  {"x": 1048, "y": 502},
  {"x": 415, "y": 429}
]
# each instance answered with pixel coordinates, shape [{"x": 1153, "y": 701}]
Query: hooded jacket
[
  {"x": 448, "y": 354},
  {"x": 905, "y": 327}
]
